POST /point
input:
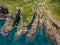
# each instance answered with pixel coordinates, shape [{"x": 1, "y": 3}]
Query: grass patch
[
  {"x": 27, "y": 8},
  {"x": 40, "y": 0}
]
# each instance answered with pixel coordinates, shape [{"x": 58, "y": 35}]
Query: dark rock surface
[
  {"x": 17, "y": 18},
  {"x": 30, "y": 24},
  {"x": 3, "y": 10}
]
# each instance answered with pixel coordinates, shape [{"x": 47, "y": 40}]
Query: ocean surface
[{"x": 39, "y": 39}]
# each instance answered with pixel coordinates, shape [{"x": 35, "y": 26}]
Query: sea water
[
  {"x": 39, "y": 39},
  {"x": 2, "y": 23}
]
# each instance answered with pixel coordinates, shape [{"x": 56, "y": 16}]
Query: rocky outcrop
[
  {"x": 11, "y": 23},
  {"x": 23, "y": 29},
  {"x": 51, "y": 28},
  {"x": 52, "y": 18},
  {"x": 7, "y": 26},
  {"x": 32, "y": 32},
  {"x": 32, "y": 21},
  {"x": 3, "y": 11},
  {"x": 17, "y": 18}
]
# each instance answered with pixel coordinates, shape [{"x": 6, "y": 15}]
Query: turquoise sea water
[
  {"x": 2, "y": 23},
  {"x": 39, "y": 39}
]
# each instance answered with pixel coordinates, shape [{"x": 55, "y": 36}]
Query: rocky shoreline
[
  {"x": 7, "y": 26},
  {"x": 51, "y": 29}
]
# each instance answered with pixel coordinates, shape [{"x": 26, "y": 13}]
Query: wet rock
[
  {"x": 34, "y": 16},
  {"x": 20, "y": 31},
  {"x": 3, "y": 11},
  {"x": 31, "y": 34},
  {"x": 51, "y": 28},
  {"x": 40, "y": 22},
  {"x": 57, "y": 27},
  {"x": 52, "y": 33},
  {"x": 52, "y": 39},
  {"x": 17, "y": 18},
  {"x": 7, "y": 26}
]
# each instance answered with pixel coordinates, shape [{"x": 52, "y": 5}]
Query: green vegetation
[
  {"x": 27, "y": 8},
  {"x": 40, "y": 0}
]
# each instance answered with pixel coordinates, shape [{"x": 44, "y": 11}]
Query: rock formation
[
  {"x": 7, "y": 26},
  {"x": 51, "y": 28},
  {"x": 17, "y": 18}
]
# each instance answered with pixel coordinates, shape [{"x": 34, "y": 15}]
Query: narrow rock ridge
[
  {"x": 52, "y": 18},
  {"x": 32, "y": 32},
  {"x": 17, "y": 18},
  {"x": 11, "y": 23},
  {"x": 7, "y": 26},
  {"x": 51, "y": 30}
]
